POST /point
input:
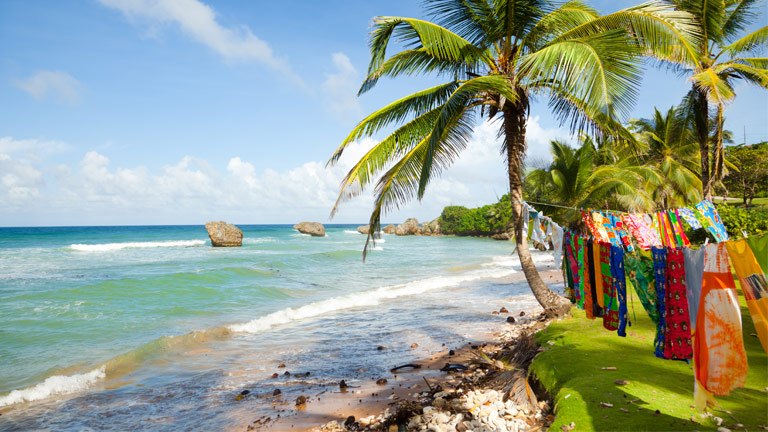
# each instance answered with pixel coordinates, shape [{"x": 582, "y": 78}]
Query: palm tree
[
  {"x": 724, "y": 56},
  {"x": 498, "y": 55},
  {"x": 576, "y": 181},
  {"x": 672, "y": 150}
]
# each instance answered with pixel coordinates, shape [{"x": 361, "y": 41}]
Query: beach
[{"x": 153, "y": 327}]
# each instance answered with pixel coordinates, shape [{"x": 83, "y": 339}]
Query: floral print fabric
[{"x": 677, "y": 337}]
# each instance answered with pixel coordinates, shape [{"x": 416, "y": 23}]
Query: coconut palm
[
  {"x": 672, "y": 150},
  {"x": 497, "y": 55},
  {"x": 576, "y": 181},
  {"x": 725, "y": 55}
]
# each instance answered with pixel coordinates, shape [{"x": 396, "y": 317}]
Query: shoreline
[{"x": 371, "y": 403}]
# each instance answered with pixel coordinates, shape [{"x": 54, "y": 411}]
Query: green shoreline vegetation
[{"x": 571, "y": 370}]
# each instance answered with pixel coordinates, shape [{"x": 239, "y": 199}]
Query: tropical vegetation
[{"x": 496, "y": 57}]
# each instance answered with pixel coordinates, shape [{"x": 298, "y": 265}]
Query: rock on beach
[
  {"x": 315, "y": 229},
  {"x": 409, "y": 227},
  {"x": 389, "y": 229},
  {"x": 223, "y": 234}
]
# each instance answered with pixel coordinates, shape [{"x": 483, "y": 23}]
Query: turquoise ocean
[{"x": 151, "y": 328}]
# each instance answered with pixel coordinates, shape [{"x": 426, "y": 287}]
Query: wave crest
[
  {"x": 106, "y": 247},
  {"x": 55, "y": 385}
]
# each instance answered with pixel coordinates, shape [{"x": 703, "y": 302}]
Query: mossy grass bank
[{"x": 658, "y": 394}]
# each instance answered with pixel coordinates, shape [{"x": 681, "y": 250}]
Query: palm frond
[
  {"x": 718, "y": 90},
  {"x": 738, "y": 15},
  {"x": 568, "y": 15},
  {"x": 470, "y": 19},
  {"x": 755, "y": 41},
  {"x": 415, "y": 104}
]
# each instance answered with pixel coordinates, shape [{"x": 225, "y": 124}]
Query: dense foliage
[
  {"x": 482, "y": 221},
  {"x": 749, "y": 177}
]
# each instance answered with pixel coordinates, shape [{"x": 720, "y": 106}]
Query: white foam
[
  {"x": 259, "y": 240},
  {"x": 366, "y": 298},
  {"x": 55, "y": 385},
  {"x": 377, "y": 248},
  {"x": 351, "y": 232},
  {"x": 106, "y": 247}
]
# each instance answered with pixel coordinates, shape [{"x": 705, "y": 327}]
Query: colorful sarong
[
  {"x": 581, "y": 287},
  {"x": 711, "y": 220},
  {"x": 720, "y": 362},
  {"x": 598, "y": 274},
  {"x": 620, "y": 287},
  {"x": 677, "y": 339},
  {"x": 677, "y": 229},
  {"x": 573, "y": 268},
  {"x": 587, "y": 278},
  {"x": 593, "y": 265},
  {"x": 694, "y": 278},
  {"x": 621, "y": 231},
  {"x": 753, "y": 285},
  {"x": 610, "y": 298},
  {"x": 660, "y": 277},
  {"x": 689, "y": 217},
  {"x": 640, "y": 228},
  {"x": 639, "y": 268}
]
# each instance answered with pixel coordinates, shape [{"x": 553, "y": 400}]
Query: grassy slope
[{"x": 572, "y": 366}]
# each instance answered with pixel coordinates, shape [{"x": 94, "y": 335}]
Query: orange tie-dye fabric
[{"x": 719, "y": 358}]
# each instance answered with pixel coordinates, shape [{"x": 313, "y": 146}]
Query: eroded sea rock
[
  {"x": 223, "y": 234},
  {"x": 409, "y": 227},
  {"x": 315, "y": 229},
  {"x": 389, "y": 229},
  {"x": 363, "y": 229}
]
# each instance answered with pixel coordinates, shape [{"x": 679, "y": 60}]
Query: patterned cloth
[
  {"x": 660, "y": 277},
  {"x": 677, "y": 229},
  {"x": 712, "y": 221},
  {"x": 640, "y": 228},
  {"x": 720, "y": 362},
  {"x": 753, "y": 285},
  {"x": 610, "y": 298},
  {"x": 759, "y": 246},
  {"x": 639, "y": 269},
  {"x": 621, "y": 231},
  {"x": 689, "y": 217},
  {"x": 579, "y": 244},
  {"x": 573, "y": 268},
  {"x": 694, "y": 278},
  {"x": 591, "y": 227},
  {"x": 598, "y": 274},
  {"x": 593, "y": 274},
  {"x": 677, "y": 339},
  {"x": 620, "y": 287}
]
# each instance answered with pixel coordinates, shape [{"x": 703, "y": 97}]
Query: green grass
[
  {"x": 571, "y": 371},
  {"x": 756, "y": 202}
]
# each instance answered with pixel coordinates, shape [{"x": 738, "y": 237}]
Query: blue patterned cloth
[
  {"x": 660, "y": 273},
  {"x": 620, "y": 284}
]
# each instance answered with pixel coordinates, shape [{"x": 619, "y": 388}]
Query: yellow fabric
[{"x": 752, "y": 281}]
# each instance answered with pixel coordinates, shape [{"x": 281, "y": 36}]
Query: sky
[{"x": 151, "y": 112}]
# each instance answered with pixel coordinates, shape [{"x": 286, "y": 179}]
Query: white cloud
[
  {"x": 340, "y": 90},
  {"x": 198, "y": 20},
  {"x": 191, "y": 191},
  {"x": 31, "y": 147},
  {"x": 57, "y": 84}
]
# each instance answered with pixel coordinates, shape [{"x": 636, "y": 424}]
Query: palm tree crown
[{"x": 496, "y": 56}]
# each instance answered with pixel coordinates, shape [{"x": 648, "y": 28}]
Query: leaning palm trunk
[{"x": 514, "y": 143}]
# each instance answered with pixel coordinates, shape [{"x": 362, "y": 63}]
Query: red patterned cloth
[{"x": 677, "y": 339}]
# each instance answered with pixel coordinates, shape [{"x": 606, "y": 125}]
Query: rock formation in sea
[
  {"x": 431, "y": 228},
  {"x": 389, "y": 229},
  {"x": 503, "y": 236},
  {"x": 315, "y": 229},
  {"x": 363, "y": 229},
  {"x": 409, "y": 227},
  {"x": 223, "y": 234}
]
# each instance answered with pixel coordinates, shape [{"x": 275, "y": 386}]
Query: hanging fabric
[
  {"x": 677, "y": 338},
  {"x": 593, "y": 274},
  {"x": 598, "y": 274},
  {"x": 712, "y": 220},
  {"x": 573, "y": 267},
  {"x": 677, "y": 228},
  {"x": 689, "y": 217},
  {"x": 759, "y": 246},
  {"x": 601, "y": 232},
  {"x": 753, "y": 285},
  {"x": 640, "y": 228},
  {"x": 620, "y": 287},
  {"x": 580, "y": 262},
  {"x": 557, "y": 243},
  {"x": 538, "y": 233},
  {"x": 610, "y": 299},
  {"x": 660, "y": 277},
  {"x": 639, "y": 268},
  {"x": 694, "y": 278},
  {"x": 587, "y": 278},
  {"x": 720, "y": 362},
  {"x": 586, "y": 217}
]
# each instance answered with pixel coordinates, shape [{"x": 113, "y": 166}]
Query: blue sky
[{"x": 166, "y": 112}]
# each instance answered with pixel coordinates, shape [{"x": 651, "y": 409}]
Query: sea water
[{"x": 150, "y": 327}]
